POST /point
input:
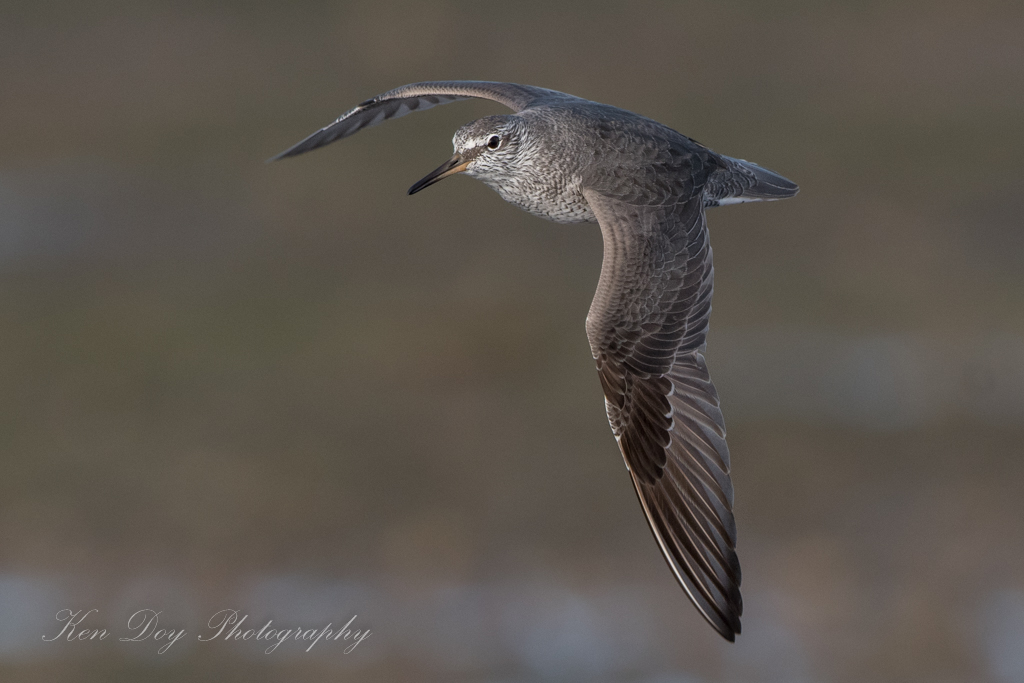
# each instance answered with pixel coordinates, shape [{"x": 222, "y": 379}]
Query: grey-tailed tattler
[{"x": 572, "y": 161}]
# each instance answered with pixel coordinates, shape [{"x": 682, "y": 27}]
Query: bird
[{"x": 571, "y": 160}]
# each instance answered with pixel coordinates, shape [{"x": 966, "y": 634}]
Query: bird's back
[{"x": 579, "y": 145}]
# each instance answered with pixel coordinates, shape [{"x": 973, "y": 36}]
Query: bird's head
[{"x": 487, "y": 148}]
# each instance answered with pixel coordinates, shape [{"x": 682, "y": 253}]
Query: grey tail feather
[{"x": 766, "y": 184}]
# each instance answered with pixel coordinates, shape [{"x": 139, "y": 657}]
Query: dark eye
[{"x": 493, "y": 142}]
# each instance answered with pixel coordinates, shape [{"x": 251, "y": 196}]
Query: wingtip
[
  {"x": 307, "y": 144},
  {"x": 732, "y": 632},
  {"x": 726, "y": 625},
  {"x": 729, "y": 627},
  {"x": 290, "y": 152}
]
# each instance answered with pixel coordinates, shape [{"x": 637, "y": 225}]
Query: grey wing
[
  {"x": 647, "y": 328},
  {"x": 417, "y": 97}
]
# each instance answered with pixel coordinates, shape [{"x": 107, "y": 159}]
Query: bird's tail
[{"x": 739, "y": 180}]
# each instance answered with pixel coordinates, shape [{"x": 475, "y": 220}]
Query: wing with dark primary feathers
[
  {"x": 417, "y": 97},
  {"x": 647, "y": 328}
]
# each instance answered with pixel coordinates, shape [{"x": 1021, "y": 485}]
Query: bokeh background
[{"x": 292, "y": 390}]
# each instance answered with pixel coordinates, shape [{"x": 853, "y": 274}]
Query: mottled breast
[{"x": 548, "y": 195}]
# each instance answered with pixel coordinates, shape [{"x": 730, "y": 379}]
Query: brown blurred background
[{"x": 292, "y": 390}]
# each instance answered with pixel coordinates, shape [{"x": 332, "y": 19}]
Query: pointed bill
[{"x": 450, "y": 167}]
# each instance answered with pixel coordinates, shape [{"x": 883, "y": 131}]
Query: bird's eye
[{"x": 493, "y": 142}]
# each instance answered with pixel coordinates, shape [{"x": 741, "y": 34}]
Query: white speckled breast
[{"x": 556, "y": 201}]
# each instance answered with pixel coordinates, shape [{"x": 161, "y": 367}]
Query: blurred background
[{"x": 292, "y": 390}]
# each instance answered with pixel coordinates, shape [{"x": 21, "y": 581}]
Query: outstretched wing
[
  {"x": 647, "y": 328},
  {"x": 417, "y": 97}
]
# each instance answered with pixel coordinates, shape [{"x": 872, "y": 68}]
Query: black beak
[{"x": 450, "y": 167}]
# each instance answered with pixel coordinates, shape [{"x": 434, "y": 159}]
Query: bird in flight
[{"x": 571, "y": 160}]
